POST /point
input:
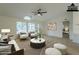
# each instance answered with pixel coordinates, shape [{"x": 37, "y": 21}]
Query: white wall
[
  {"x": 54, "y": 14},
  {"x": 58, "y": 31},
  {"x": 75, "y": 36},
  {"x": 74, "y": 30},
  {"x": 76, "y": 23},
  {"x": 10, "y": 22},
  {"x": 69, "y": 16}
]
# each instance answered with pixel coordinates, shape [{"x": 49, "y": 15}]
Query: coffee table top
[{"x": 38, "y": 40}]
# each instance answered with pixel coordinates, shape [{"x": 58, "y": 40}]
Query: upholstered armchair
[
  {"x": 33, "y": 34},
  {"x": 23, "y": 35}
]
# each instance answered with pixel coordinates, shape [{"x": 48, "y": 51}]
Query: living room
[{"x": 38, "y": 29}]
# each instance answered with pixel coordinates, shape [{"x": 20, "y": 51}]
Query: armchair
[
  {"x": 23, "y": 35},
  {"x": 33, "y": 35}
]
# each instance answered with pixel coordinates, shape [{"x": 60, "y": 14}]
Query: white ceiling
[{"x": 20, "y": 10}]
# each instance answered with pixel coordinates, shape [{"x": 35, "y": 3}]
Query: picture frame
[{"x": 52, "y": 26}]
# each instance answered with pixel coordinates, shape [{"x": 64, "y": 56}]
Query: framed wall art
[{"x": 52, "y": 26}]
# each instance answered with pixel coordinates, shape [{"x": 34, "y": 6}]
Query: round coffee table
[{"x": 37, "y": 43}]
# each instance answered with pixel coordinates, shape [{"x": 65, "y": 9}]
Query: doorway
[{"x": 65, "y": 29}]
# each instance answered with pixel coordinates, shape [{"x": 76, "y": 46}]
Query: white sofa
[
  {"x": 11, "y": 48},
  {"x": 15, "y": 44}
]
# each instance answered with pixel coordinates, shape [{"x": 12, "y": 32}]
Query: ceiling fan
[{"x": 39, "y": 12}]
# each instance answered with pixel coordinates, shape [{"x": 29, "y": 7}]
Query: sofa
[{"x": 10, "y": 48}]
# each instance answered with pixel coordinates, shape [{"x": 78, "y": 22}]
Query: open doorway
[{"x": 65, "y": 29}]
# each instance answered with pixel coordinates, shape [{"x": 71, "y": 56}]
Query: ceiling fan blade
[
  {"x": 39, "y": 10},
  {"x": 44, "y": 12}
]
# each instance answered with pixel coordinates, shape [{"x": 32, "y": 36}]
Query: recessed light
[{"x": 27, "y": 18}]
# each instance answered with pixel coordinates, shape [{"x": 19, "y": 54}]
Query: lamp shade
[{"x": 5, "y": 30}]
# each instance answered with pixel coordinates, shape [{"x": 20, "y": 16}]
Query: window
[
  {"x": 26, "y": 27},
  {"x": 21, "y": 27},
  {"x": 37, "y": 28},
  {"x": 31, "y": 27}
]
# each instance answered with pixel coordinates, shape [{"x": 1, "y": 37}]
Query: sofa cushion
[{"x": 5, "y": 49}]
